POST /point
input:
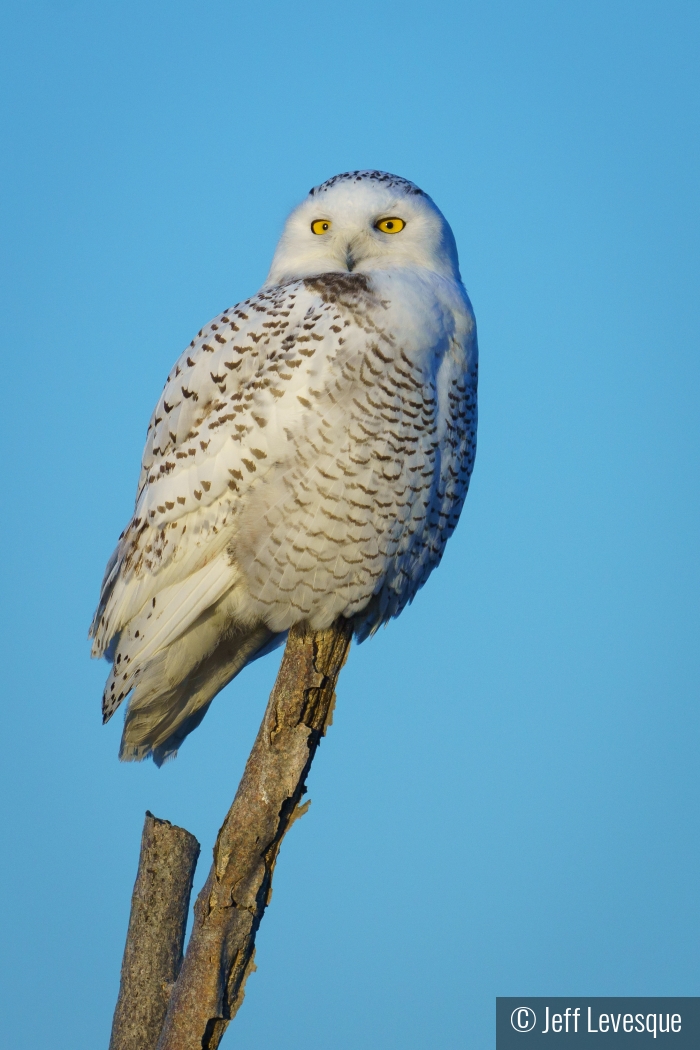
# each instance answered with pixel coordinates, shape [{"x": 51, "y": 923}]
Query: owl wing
[
  {"x": 218, "y": 428},
  {"x": 228, "y": 416}
]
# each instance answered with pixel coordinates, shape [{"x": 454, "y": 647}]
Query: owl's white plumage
[{"x": 308, "y": 458}]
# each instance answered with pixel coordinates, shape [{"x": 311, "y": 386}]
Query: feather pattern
[{"x": 308, "y": 458}]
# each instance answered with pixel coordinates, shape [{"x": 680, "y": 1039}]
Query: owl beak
[
  {"x": 350, "y": 260},
  {"x": 353, "y": 251}
]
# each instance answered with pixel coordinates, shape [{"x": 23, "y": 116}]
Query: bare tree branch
[
  {"x": 228, "y": 911},
  {"x": 153, "y": 951}
]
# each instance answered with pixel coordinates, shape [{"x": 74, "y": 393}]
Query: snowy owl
[{"x": 308, "y": 458}]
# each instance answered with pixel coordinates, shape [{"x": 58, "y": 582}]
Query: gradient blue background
[{"x": 507, "y": 801}]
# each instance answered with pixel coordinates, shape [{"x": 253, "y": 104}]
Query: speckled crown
[{"x": 384, "y": 178}]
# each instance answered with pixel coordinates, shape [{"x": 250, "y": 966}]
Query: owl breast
[{"x": 373, "y": 469}]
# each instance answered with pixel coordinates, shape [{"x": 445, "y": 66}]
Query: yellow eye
[
  {"x": 392, "y": 225},
  {"x": 320, "y": 226}
]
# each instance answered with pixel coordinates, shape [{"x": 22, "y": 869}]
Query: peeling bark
[
  {"x": 230, "y": 907},
  {"x": 154, "y": 942}
]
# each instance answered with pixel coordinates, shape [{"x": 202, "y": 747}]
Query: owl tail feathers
[{"x": 177, "y": 686}]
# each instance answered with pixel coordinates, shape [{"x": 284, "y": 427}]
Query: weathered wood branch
[
  {"x": 228, "y": 911},
  {"x": 154, "y": 942}
]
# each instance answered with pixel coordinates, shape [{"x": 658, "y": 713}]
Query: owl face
[{"x": 363, "y": 221}]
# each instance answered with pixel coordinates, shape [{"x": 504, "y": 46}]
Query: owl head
[{"x": 364, "y": 221}]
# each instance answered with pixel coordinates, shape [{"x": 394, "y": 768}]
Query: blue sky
[{"x": 507, "y": 801}]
